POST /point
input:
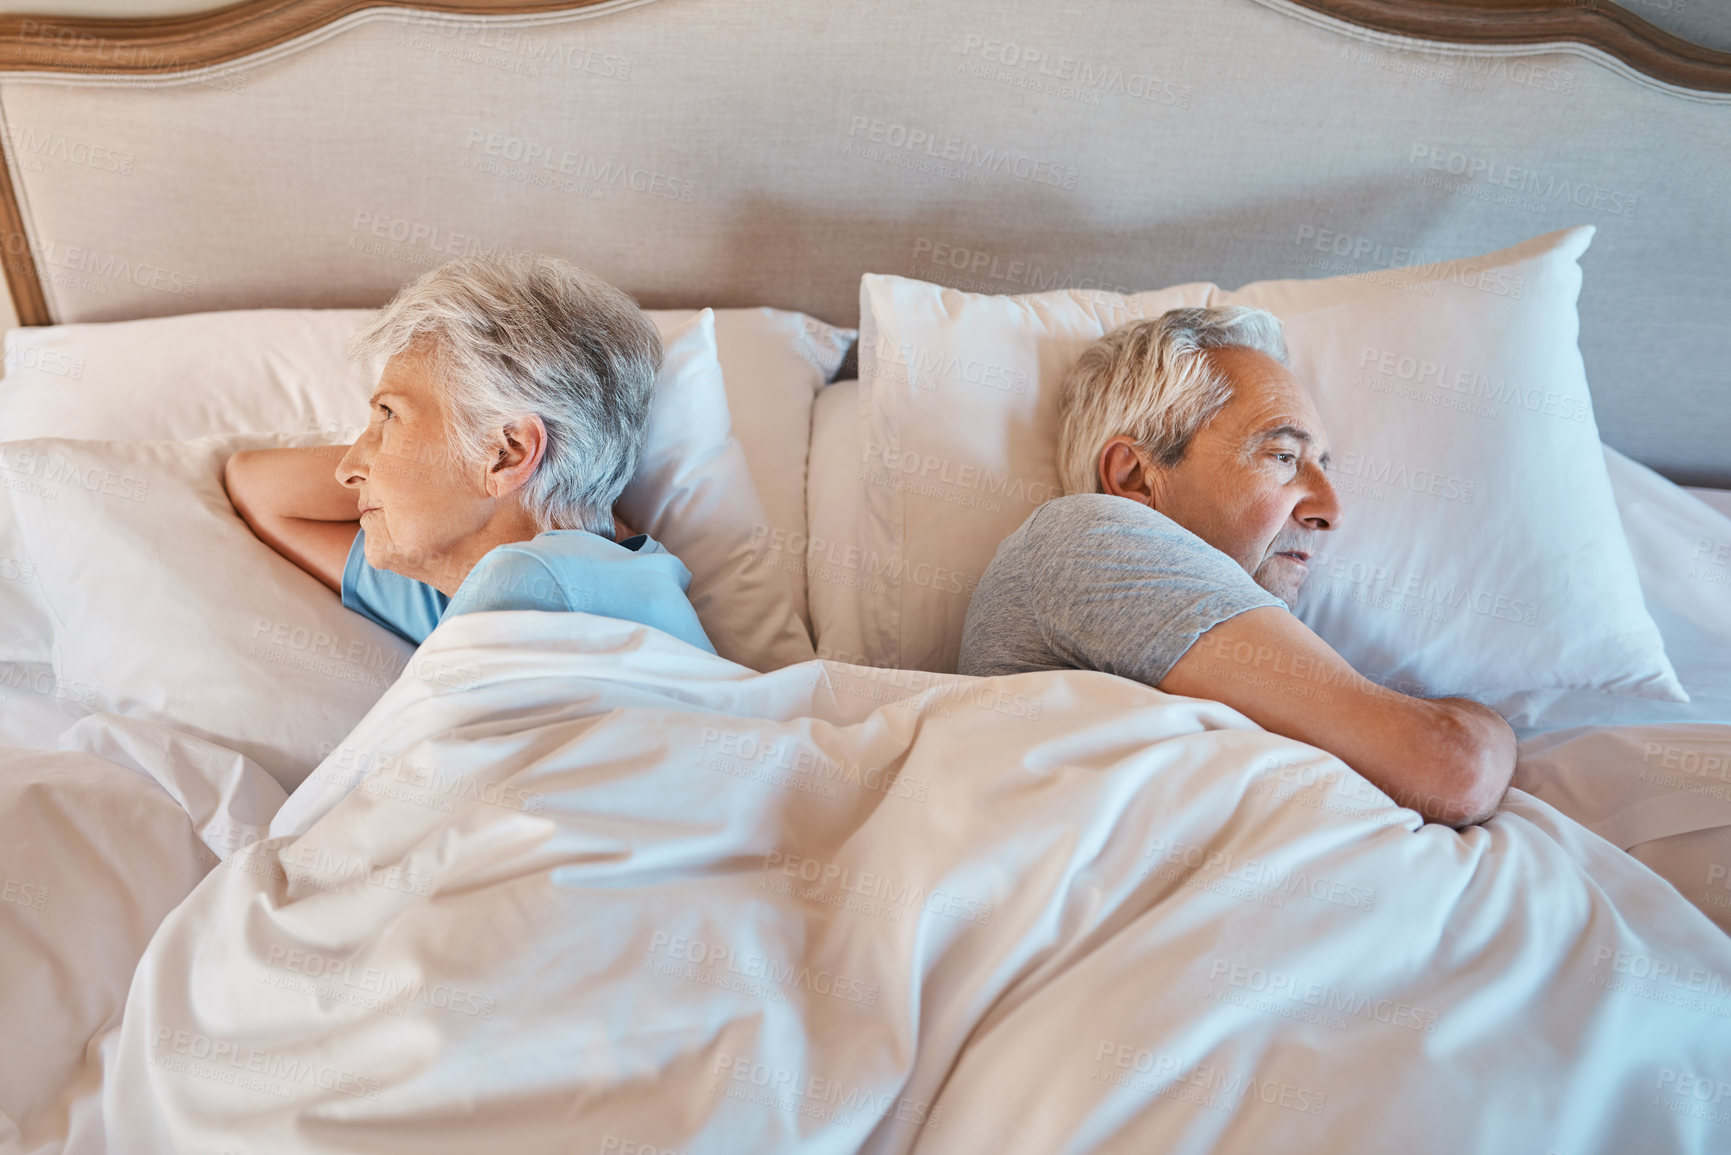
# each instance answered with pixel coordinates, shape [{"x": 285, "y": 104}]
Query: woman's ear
[
  {"x": 517, "y": 451},
  {"x": 1126, "y": 471}
]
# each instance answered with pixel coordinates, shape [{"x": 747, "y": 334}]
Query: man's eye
[
  {"x": 385, "y": 412},
  {"x": 1286, "y": 458}
]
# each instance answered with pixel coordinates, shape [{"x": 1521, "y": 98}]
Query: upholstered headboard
[{"x": 730, "y": 152}]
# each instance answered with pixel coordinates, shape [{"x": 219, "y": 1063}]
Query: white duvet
[{"x": 573, "y": 886}]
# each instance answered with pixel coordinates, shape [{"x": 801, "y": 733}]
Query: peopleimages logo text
[
  {"x": 1581, "y": 194},
  {"x": 944, "y": 147}
]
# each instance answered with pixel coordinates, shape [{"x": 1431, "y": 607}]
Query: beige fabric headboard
[{"x": 732, "y": 152}]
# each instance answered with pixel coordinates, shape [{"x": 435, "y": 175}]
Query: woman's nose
[{"x": 352, "y": 469}]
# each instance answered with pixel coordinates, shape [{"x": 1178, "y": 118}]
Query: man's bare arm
[
  {"x": 1450, "y": 759},
  {"x": 292, "y": 500}
]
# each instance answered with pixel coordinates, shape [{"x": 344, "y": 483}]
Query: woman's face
[{"x": 419, "y": 501}]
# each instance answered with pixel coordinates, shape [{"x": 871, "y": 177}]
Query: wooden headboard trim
[
  {"x": 167, "y": 45},
  {"x": 1601, "y": 24},
  {"x": 16, "y": 257}
]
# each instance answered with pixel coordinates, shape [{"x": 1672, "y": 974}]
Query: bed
[{"x": 273, "y": 880}]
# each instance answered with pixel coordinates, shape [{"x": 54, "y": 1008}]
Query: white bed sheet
[
  {"x": 1608, "y": 777},
  {"x": 621, "y": 888},
  {"x": 1719, "y": 499},
  {"x": 1663, "y": 793},
  {"x": 1654, "y": 778},
  {"x": 92, "y": 856}
]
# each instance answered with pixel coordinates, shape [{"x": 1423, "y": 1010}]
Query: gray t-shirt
[{"x": 1097, "y": 582}]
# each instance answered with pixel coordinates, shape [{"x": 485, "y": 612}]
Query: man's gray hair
[
  {"x": 532, "y": 334},
  {"x": 1152, "y": 381}
]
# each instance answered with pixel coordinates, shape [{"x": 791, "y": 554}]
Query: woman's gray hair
[
  {"x": 533, "y": 335},
  {"x": 1152, "y": 381}
]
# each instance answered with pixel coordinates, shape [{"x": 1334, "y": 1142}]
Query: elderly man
[
  {"x": 508, "y": 419},
  {"x": 1194, "y": 468}
]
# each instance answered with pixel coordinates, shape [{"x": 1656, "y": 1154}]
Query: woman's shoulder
[
  {"x": 566, "y": 553},
  {"x": 581, "y": 545}
]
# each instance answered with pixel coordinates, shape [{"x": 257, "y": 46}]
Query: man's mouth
[{"x": 1296, "y": 555}]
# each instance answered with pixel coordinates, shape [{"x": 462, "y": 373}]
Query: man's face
[
  {"x": 1252, "y": 483},
  {"x": 419, "y": 501}
]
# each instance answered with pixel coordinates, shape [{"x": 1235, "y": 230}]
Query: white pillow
[
  {"x": 828, "y": 552},
  {"x": 287, "y": 371},
  {"x": 163, "y": 605},
  {"x": 773, "y": 362},
  {"x": 962, "y": 403},
  {"x": 1674, "y": 539},
  {"x": 959, "y": 402},
  {"x": 693, "y": 493},
  {"x": 152, "y": 599},
  {"x": 175, "y": 378}
]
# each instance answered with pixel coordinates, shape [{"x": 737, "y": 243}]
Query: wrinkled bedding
[{"x": 571, "y": 886}]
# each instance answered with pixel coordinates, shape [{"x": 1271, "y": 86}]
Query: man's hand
[
  {"x": 1450, "y": 759},
  {"x": 292, "y": 500}
]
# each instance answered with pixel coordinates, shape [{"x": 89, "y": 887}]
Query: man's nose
[{"x": 1321, "y": 507}]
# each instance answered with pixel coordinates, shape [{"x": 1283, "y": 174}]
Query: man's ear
[
  {"x": 517, "y": 451},
  {"x": 1127, "y": 471}
]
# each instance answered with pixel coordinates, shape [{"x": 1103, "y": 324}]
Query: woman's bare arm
[{"x": 292, "y": 500}]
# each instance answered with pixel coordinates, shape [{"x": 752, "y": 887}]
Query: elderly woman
[{"x": 507, "y": 421}]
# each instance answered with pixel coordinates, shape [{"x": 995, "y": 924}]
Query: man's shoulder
[
  {"x": 1097, "y": 539},
  {"x": 1071, "y": 537},
  {"x": 1084, "y": 509},
  {"x": 1079, "y": 517}
]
